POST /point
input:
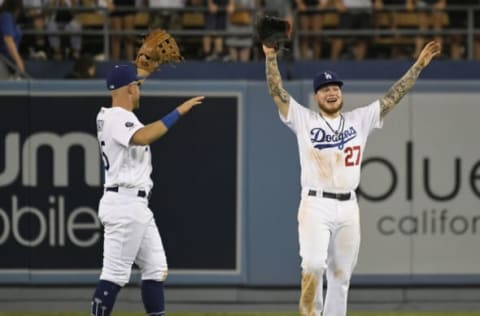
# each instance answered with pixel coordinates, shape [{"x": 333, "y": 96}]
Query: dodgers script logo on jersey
[{"x": 321, "y": 139}]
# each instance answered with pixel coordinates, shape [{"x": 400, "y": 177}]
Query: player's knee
[
  {"x": 342, "y": 275},
  {"x": 155, "y": 272},
  {"x": 117, "y": 275},
  {"x": 155, "y": 275},
  {"x": 314, "y": 266},
  {"x": 314, "y": 271}
]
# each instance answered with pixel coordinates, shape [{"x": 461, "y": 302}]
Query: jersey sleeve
[
  {"x": 124, "y": 126},
  {"x": 369, "y": 116},
  {"x": 296, "y": 115}
]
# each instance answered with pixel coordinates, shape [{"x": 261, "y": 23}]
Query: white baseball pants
[
  {"x": 329, "y": 239},
  {"x": 131, "y": 235}
]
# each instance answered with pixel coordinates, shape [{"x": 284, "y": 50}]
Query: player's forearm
[
  {"x": 274, "y": 82},
  {"x": 399, "y": 90}
]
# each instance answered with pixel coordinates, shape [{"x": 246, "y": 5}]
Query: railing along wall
[{"x": 96, "y": 22}]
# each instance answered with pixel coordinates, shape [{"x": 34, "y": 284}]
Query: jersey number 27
[{"x": 352, "y": 156}]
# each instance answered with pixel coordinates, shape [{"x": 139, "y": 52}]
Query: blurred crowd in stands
[{"x": 221, "y": 30}]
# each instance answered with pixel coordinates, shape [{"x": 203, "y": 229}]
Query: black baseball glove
[{"x": 272, "y": 31}]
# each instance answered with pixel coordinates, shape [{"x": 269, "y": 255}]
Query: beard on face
[{"x": 329, "y": 110}]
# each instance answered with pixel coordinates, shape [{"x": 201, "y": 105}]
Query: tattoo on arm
[
  {"x": 274, "y": 80},
  {"x": 399, "y": 90}
]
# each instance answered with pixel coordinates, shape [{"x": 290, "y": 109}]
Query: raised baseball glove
[
  {"x": 272, "y": 31},
  {"x": 157, "y": 48}
]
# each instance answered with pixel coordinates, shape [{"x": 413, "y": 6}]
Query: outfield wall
[{"x": 227, "y": 184}]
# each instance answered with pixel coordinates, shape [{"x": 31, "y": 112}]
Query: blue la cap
[
  {"x": 325, "y": 78},
  {"x": 121, "y": 75}
]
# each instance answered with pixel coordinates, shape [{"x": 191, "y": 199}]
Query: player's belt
[
  {"x": 331, "y": 195},
  {"x": 139, "y": 193}
]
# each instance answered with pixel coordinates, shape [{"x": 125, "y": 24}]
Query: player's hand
[
  {"x": 431, "y": 50},
  {"x": 189, "y": 104},
  {"x": 268, "y": 50},
  {"x": 144, "y": 73}
]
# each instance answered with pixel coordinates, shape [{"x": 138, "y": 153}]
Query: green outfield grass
[{"x": 254, "y": 314}]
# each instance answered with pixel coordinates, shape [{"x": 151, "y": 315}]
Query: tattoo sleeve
[
  {"x": 398, "y": 90},
  {"x": 274, "y": 81}
]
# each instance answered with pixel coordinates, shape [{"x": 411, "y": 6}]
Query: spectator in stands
[
  {"x": 92, "y": 18},
  {"x": 392, "y": 12},
  {"x": 310, "y": 14},
  {"x": 122, "y": 19},
  {"x": 64, "y": 19},
  {"x": 35, "y": 18},
  {"x": 279, "y": 8},
  {"x": 354, "y": 15},
  {"x": 476, "y": 45},
  {"x": 216, "y": 21},
  {"x": 165, "y": 14},
  {"x": 10, "y": 37},
  {"x": 83, "y": 68},
  {"x": 428, "y": 11},
  {"x": 458, "y": 19},
  {"x": 193, "y": 18},
  {"x": 241, "y": 20}
]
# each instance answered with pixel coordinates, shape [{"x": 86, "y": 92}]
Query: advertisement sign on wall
[{"x": 51, "y": 182}]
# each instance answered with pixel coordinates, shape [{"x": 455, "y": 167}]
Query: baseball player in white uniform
[
  {"x": 331, "y": 145},
  {"x": 130, "y": 233}
]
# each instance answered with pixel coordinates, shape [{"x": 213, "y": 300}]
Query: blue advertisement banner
[{"x": 51, "y": 182}]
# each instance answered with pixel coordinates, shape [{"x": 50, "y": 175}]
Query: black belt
[
  {"x": 140, "y": 193},
  {"x": 331, "y": 195}
]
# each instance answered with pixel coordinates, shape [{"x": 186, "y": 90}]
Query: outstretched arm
[
  {"x": 153, "y": 131},
  {"x": 274, "y": 81},
  {"x": 402, "y": 86}
]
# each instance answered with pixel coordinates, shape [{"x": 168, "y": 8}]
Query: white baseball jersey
[
  {"x": 126, "y": 165},
  {"x": 130, "y": 232},
  {"x": 331, "y": 150}
]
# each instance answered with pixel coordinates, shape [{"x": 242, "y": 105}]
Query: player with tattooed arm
[{"x": 331, "y": 145}]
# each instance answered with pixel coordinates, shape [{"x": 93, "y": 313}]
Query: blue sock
[
  {"x": 104, "y": 298},
  {"x": 153, "y": 299}
]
